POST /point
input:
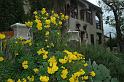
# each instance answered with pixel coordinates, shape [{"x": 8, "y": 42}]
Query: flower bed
[{"x": 43, "y": 59}]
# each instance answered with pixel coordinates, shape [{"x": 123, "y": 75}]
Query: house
[{"x": 85, "y": 19}]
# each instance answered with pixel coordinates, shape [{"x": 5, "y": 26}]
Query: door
[{"x": 92, "y": 38}]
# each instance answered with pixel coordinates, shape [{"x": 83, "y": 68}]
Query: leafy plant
[{"x": 44, "y": 58}]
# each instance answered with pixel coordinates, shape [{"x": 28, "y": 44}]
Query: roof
[
  {"x": 18, "y": 24},
  {"x": 92, "y": 6}
]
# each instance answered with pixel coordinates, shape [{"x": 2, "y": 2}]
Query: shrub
[
  {"x": 113, "y": 61},
  {"x": 44, "y": 58}
]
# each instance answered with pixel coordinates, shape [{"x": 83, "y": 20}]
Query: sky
[
  {"x": 107, "y": 28},
  {"x": 93, "y": 1}
]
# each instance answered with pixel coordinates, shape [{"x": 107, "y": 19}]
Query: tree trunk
[{"x": 118, "y": 30}]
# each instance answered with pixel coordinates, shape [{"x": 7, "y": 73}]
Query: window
[
  {"x": 82, "y": 35},
  {"x": 99, "y": 35},
  {"x": 98, "y": 26},
  {"x": 78, "y": 27},
  {"x": 74, "y": 13},
  {"x": 74, "y": 8},
  {"x": 82, "y": 14},
  {"x": 67, "y": 10},
  {"x": 89, "y": 17}
]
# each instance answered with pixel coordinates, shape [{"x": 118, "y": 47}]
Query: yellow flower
[
  {"x": 45, "y": 56},
  {"x": 47, "y": 26},
  {"x": 63, "y": 61},
  {"x": 47, "y": 14},
  {"x": 29, "y": 24},
  {"x": 66, "y": 17},
  {"x": 56, "y": 15},
  {"x": 43, "y": 53},
  {"x": 62, "y": 67},
  {"x": 49, "y": 70},
  {"x": 1, "y": 59},
  {"x": 31, "y": 79},
  {"x": 82, "y": 71},
  {"x": 53, "y": 19},
  {"x": 36, "y": 70},
  {"x": 67, "y": 52},
  {"x": 2, "y": 36},
  {"x": 55, "y": 68},
  {"x": 39, "y": 24},
  {"x": 43, "y": 11},
  {"x": 25, "y": 64},
  {"x": 92, "y": 73},
  {"x": 73, "y": 79},
  {"x": 53, "y": 65},
  {"x": 72, "y": 56},
  {"x": 62, "y": 17},
  {"x": 64, "y": 73},
  {"x": 36, "y": 17},
  {"x": 28, "y": 42},
  {"x": 19, "y": 80},
  {"x": 52, "y": 61},
  {"x": 35, "y": 12},
  {"x": 47, "y": 33},
  {"x": 52, "y": 70},
  {"x": 20, "y": 38},
  {"x": 85, "y": 78},
  {"x": 44, "y": 78},
  {"x": 10, "y": 80},
  {"x": 76, "y": 75},
  {"x": 52, "y": 11},
  {"x": 79, "y": 73},
  {"x": 39, "y": 52},
  {"x": 24, "y": 80},
  {"x": 60, "y": 22},
  {"x": 85, "y": 65},
  {"x": 47, "y": 22}
]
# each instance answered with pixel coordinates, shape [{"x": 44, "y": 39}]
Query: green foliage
[
  {"x": 21, "y": 50},
  {"x": 11, "y": 11},
  {"x": 56, "y": 5},
  {"x": 102, "y": 73},
  {"x": 99, "y": 54},
  {"x": 37, "y": 58},
  {"x": 113, "y": 43},
  {"x": 114, "y": 62}
]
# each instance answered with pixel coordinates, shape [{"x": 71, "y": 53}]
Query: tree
[
  {"x": 116, "y": 6},
  {"x": 11, "y": 11},
  {"x": 57, "y": 5}
]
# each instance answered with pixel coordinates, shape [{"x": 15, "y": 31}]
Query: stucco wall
[{"x": 91, "y": 28}]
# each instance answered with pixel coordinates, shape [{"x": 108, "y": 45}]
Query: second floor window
[
  {"x": 82, "y": 15},
  {"x": 89, "y": 17},
  {"x": 74, "y": 13},
  {"x": 98, "y": 22}
]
